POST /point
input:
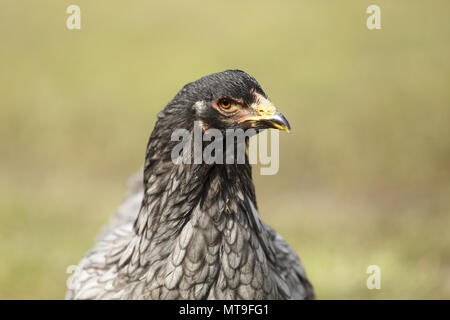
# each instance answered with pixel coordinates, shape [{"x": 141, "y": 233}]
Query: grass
[{"x": 364, "y": 176}]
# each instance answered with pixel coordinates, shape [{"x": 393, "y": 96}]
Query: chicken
[{"x": 191, "y": 229}]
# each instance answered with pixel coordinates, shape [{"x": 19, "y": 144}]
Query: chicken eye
[
  {"x": 225, "y": 104},
  {"x": 228, "y": 105}
]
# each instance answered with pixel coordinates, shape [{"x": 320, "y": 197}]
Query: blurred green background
[{"x": 364, "y": 176}]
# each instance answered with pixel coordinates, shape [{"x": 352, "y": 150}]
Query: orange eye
[
  {"x": 225, "y": 104},
  {"x": 228, "y": 105}
]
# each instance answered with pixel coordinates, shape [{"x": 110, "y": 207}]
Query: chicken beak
[
  {"x": 267, "y": 116},
  {"x": 278, "y": 121}
]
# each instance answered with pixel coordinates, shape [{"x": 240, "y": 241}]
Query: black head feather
[
  {"x": 234, "y": 84},
  {"x": 231, "y": 83}
]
